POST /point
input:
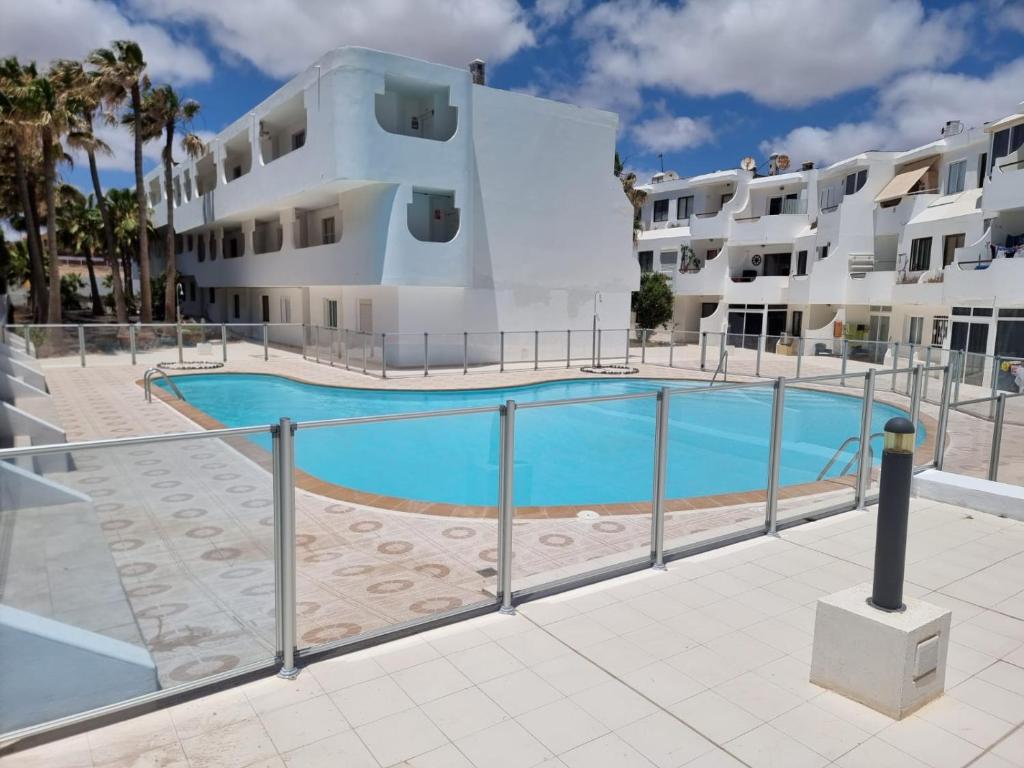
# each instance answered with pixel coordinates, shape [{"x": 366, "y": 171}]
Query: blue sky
[{"x": 704, "y": 82}]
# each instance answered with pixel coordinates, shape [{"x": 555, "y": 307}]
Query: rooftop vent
[
  {"x": 477, "y": 70},
  {"x": 807, "y": 165},
  {"x": 951, "y": 128}
]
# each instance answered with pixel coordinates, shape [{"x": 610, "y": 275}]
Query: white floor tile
[
  {"x": 826, "y": 734},
  {"x": 485, "y": 662},
  {"x": 614, "y": 704},
  {"x": 303, "y": 723},
  {"x": 465, "y": 712},
  {"x": 431, "y": 680},
  {"x": 766, "y": 747},
  {"x": 875, "y": 753},
  {"x": 519, "y": 692},
  {"x": 562, "y": 725},
  {"x": 606, "y": 752},
  {"x": 963, "y": 720},
  {"x": 365, "y": 702},
  {"x": 715, "y": 716},
  {"x": 342, "y": 749},
  {"x": 759, "y": 697},
  {"x": 399, "y": 737},
  {"x": 571, "y": 674},
  {"x": 505, "y": 745},
  {"x": 664, "y": 740},
  {"x": 929, "y": 743},
  {"x": 663, "y": 683}
]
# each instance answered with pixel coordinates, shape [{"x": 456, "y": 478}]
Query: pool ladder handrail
[
  {"x": 855, "y": 459},
  {"x": 723, "y": 368},
  {"x": 147, "y": 384}
]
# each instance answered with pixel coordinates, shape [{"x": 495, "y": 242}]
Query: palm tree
[
  {"x": 635, "y": 196},
  {"x": 167, "y": 112},
  {"x": 81, "y": 228},
  {"x": 88, "y": 87},
  {"x": 120, "y": 72},
  {"x": 18, "y": 139}
]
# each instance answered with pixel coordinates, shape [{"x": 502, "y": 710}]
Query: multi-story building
[
  {"x": 379, "y": 193},
  {"x": 916, "y": 247}
]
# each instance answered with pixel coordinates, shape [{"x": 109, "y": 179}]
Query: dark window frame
[{"x": 920, "y": 249}]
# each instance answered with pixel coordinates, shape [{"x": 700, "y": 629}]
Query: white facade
[
  {"x": 410, "y": 196},
  {"x": 924, "y": 246}
]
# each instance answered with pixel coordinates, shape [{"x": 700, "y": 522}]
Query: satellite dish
[
  {"x": 748, "y": 164},
  {"x": 783, "y": 162}
]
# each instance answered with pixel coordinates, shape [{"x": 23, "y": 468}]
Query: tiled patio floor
[{"x": 704, "y": 665}]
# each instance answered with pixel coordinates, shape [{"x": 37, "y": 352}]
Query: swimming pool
[{"x": 590, "y": 454}]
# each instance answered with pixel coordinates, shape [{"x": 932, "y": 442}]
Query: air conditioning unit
[{"x": 952, "y": 128}]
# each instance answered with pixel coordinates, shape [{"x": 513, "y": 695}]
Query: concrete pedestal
[{"x": 892, "y": 662}]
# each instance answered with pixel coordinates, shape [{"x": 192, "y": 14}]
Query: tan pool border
[{"x": 923, "y": 454}]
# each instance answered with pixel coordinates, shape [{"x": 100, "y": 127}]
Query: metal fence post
[
  {"x": 915, "y": 393},
  {"x": 911, "y": 360},
  {"x": 845, "y": 355},
  {"x": 223, "y": 342},
  {"x": 599, "y": 347},
  {"x": 81, "y": 344},
  {"x": 366, "y": 339},
  {"x": 997, "y": 437},
  {"x": 132, "y": 343},
  {"x": 627, "y": 346},
  {"x": 895, "y": 363},
  {"x": 568, "y": 349},
  {"x": 383, "y": 356},
  {"x": 761, "y": 341},
  {"x": 330, "y": 348},
  {"x": 703, "y": 349},
  {"x": 994, "y": 387},
  {"x": 927, "y": 373},
  {"x": 284, "y": 536},
  {"x": 771, "y": 513},
  {"x": 536, "y": 350},
  {"x": 864, "y": 460},
  {"x": 266, "y": 344},
  {"x": 316, "y": 342},
  {"x": 799, "y": 354},
  {"x": 501, "y": 351},
  {"x": 661, "y": 427},
  {"x": 506, "y": 503},
  {"x": 940, "y": 432},
  {"x": 28, "y": 337},
  {"x": 643, "y": 345},
  {"x": 956, "y": 360},
  {"x": 465, "y": 352},
  {"x": 671, "y": 345},
  {"x": 348, "y": 351},
  {"x": 180, "y": 358},
  {"x": 721, "y": 348},
  {"x": 426, "y": 353}
]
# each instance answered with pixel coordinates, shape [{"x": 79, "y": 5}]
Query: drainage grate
[{"x": 487, "y": 572}]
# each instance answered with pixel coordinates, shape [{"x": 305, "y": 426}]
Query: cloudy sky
[{"x": 704, "y": 82}]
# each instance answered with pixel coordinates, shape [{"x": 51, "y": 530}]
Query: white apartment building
[
  {"x": 380, "y": 193},
  {"x": 924, "y": 246}
]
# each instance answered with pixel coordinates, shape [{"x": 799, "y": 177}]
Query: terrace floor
[{"x": 704, "y": 665}]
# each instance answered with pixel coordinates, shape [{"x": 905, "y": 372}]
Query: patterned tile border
[{"x": 923, "y": 454}]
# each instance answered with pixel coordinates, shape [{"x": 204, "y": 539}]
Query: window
[
  {"x": 327, "y": 230},
  {"x": 331, "y": 313},
  {"x": 982, "y": 165},
  {"x": 1016, "y": 137},
  {"x": 725, "y": 198},
  {"x": 855, "y": 181},
  {"x": 711, "y": 253},
  {"x": 233, "y": 248},
  {"x": 684, "y": 207},
  {"x": 188, "y": 243},
  {"x": 646, "y": 259},
  {"x": 916, "y": 324},
  {"x": 775, "y": 206},
  {"x": 237, "y": 309},
  {"x": 940, "y": 327},
  {"x": 949, "y": 245},
  {"x": 286, "y": 309},
  {"x": 178, "y": 243},
  {"x": 298, "y": 139},
  {"x": 211, "y": 295},
  {"x": 667, "y": 262},
  {"x": 955, "y": 176},
  {"x": 191, "y": 291},
  {"x": 797, "y": 327},
  {"x": 822, "y": 252},
  {"x": 265, "y": 308},
  {"x": 661, "y": 210},
  {"x": 366, "y": 315},
  {"x": 801, "y": 263},
  {"x": 201, "y": 250},
  {"x": 1000, "y": 145},
  {"x": 236, "y": 172},
  {"x": 920, "y": 254}
]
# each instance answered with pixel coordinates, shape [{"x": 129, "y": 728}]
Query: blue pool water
[{"x": 597, "y": 453}]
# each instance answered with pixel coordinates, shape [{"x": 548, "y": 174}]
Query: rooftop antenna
[{"x": 661, "y": 160}]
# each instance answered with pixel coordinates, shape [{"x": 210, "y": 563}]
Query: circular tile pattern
[
  {"x": 556, "y": 540},
  {"x": 490, "y": 555},
  {"x": 116, "y": 525},
  {"x": 366, "y": 526},
  {"x": 436, "y": 570},
  {"x": 395, "y": 547},
  {"x": 223, "y": 477},
  {"x": 125, "y": 545},
  {"x": 259, "y": 590},
  {"x": 204, "y": 667},
  {"x": 304, "y": 539},
  {"x": 241, "y": 572},
  {"x": 337, "y": 509},
  {"x": 161, "y": 610},
  {"x": 353, "y": 570},
  {"x": 256, "y": 503},
  {"x": 156, "y": 473},
  {"x": 190, "y": 513},
  {"x": 163, "y": 485},
  {"x": 148, "y": 590},
  {"x": 176, "y": 498},
  {"x": 130, "y": 570},
  {"x": 389, "y": 587},
  {"x": 322, "y": 557},
  {"x": 240, "y": 488},
  {"x": 458, "y": 532},
  {"x": 220, "y": 554},
  {"x": 608, "y": 526},
  {"x": 204, "y": 532},
  {"x": 435, "y": 605},
  {"x": 329, "y": 632}
]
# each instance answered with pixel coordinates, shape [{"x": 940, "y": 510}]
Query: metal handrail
[
  {"x": 842, "y": 447},
  {"x": 722, "y": 361},
  {"x": 147, "y": 384}
]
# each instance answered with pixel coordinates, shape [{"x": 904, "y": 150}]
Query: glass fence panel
[
  {"x": 52, "y": 342},
  {"x": 107, "y": 344},
  {"x": 285, "y": 339},
  {"x": 132, "y": 569},
  {"x": 158, "y": 341},
  {"x": 779, "y": 357},
  {"x": 403, "y": 353},
  {"x": 519, "y": 350},
  {"x": 446, "y": 352},
  {"x": 200, "y": 342},
  {"x": 717, "y": 463},
  {"x": 821, "y": 356},
  {"x": 613, "y": 345},
  {"x": 552, "y": 349},
  {"x": 484, "y": 351},
  {"x": 821, "y": 444},
  {"x": 583, "y": 487},
  {"x": 583, "y": 347},
  {"x": 396, "y": 521}
]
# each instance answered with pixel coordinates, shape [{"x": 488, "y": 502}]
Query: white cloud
[
  {"x": 668, "y": 134},
  {"x": 779, "y": 52},
  {"x": 282, "y": 37},
  {"x": 43, "y": 30},
  {"x": 910, "y": 112},
  {"x": 553, "y": 12}
]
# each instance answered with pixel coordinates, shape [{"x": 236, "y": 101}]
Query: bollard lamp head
[{"x": 899, "y": 435}]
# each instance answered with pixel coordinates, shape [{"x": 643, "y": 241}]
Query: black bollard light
[{"x": 893, "y": 514}]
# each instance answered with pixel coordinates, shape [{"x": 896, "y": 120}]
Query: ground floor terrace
[{"x": 169, "y": 547}]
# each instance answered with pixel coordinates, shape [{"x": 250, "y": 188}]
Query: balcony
[
  {"x": 976, "y": 275},
  {"x": 774, "y": 228},
  {"x": 1005, "y": 187},
  {"x": 708, "y": 279},
  {"x": 757, "y": 289}
]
